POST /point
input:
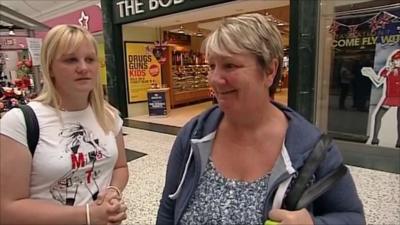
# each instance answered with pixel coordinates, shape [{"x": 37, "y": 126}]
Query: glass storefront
[
  {"x": 358, "y": 85},
  {"x": 175, "y": 41}
]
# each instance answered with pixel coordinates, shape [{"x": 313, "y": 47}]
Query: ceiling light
[
  {"x": 181, "y": 30},
  {"x": 199, "y": 34},
  {"x": 11, "y": 32}
]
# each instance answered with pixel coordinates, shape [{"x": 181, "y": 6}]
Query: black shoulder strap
[
  {"x": 320, "y": 187},
  {"x": 300, "y": 196},
  {"x": 32, "y": 127}
]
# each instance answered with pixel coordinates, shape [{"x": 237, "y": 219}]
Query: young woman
[{"x": 78, "y": 171}]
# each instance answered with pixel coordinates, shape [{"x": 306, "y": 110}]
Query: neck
[
  {"x": 253, "y": 118},
  {"x": 73, "y": 103},
  {"x": 268, "y": 122}
]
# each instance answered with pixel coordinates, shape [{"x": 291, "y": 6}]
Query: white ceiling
[{"x": 42, "y": 10}]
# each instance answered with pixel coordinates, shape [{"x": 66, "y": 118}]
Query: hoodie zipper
[
  {"x": 197, "y": 163},
  {"x": 267, "y": 207}
]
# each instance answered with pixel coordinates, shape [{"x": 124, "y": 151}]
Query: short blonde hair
[
  {"x": 248, "y": 33},
  {"x": 60, "y": 40}
]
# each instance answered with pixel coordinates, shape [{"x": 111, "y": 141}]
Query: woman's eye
[
  {"x": 212, "y": 66},
  {"x": 230, "y": 66},
  {"x": 90, "y": 60},
  {"x": 70, "y": 60}
]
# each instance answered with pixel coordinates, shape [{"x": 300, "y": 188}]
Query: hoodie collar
[{"x": 301, "y": 135}]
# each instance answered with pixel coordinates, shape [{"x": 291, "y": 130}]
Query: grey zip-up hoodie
[{"x": 191, "y": 150}]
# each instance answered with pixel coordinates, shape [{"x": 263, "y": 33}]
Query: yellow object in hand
[{"x": 271, "y": 222}]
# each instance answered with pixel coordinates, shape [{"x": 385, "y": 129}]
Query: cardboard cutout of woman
[{"x": 389, "y": 76}]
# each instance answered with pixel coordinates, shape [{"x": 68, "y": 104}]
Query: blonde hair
[
  {"x": 247, "y": 33},
  {"x": 63, "y": 39}
]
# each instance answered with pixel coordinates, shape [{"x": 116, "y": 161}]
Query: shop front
[
  {"x": 162, "y": 49},
  {"x": 343, "y": 64},
  {"x": 19, "y": 58},
  {"x": 358, "y": 80}
]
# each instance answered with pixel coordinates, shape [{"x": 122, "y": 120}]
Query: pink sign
[
  {"x": 89, "y": 17},
  {"x": 13, "y": 43}
]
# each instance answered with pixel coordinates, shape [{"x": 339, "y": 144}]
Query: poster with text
[
  {"x": 142, "y": 70},
  {"x": 384, "y": 116}
]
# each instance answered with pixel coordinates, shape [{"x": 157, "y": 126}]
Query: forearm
[
  {"x": 32, "y": 211},
  {"x": 120, "y": 177}
]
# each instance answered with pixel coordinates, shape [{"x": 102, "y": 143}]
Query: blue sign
[{"x": 157, "y": 103}]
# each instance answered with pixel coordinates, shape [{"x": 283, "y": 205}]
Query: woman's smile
[{"x": 226, "y": 92}]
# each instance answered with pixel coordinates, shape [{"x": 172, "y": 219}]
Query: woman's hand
[
  {"x": 285, "y": 217},
  {"x": 111, "y": 212},
  {"x": 106, "y": 195}
]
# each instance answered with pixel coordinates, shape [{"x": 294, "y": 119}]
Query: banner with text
[
  {"x": 370, "y": 30},
  {"x": 142, "y": 69}
]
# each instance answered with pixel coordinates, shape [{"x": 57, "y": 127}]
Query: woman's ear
[{"x": 271, "y": 71}]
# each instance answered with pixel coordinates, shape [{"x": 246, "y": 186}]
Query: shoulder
[
  {"x": 12, "y": 116},
  {"x": 199, "y": 126},
  {"x": 301, "y": 135},
  {"x": 384, "y": 72},
  {"x": 114, "y": 115},
  {"x": 12, "y": 124},
  {"x": 205, "y": 123},
  {"x": 298, "y": 125}
]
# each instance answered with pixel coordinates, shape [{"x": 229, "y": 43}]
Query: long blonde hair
[{"x": 59, "y": 40}]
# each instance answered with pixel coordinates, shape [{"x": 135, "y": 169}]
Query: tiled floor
[
  {"x": 379, "y": 191},
  {"x": 179, "y": 116}
]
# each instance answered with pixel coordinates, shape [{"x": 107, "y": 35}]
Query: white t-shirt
[{"x": 74, "y": 159}]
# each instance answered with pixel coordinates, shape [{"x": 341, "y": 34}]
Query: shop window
[{"x": 362, "y": 57}]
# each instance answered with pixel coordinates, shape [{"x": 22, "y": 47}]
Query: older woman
[
  {"x": 227, "y": 164},
  {"x": 79, "y": 157}
]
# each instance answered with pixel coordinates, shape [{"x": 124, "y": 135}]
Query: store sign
[
  {"x": 367, "y": 33},
  {"x": 157, "y": 103},
  {"x": 7, "y": 43},
  {"x": 142, "y": 69},
  {"x": 89, "y": 17},
  {"x": 34, "y": 47},
  {"x": 126, "y": 11}
]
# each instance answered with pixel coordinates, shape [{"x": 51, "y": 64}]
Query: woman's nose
[
  {"x": 216, "y": 77},
  {"x": 82, "y": 66}
]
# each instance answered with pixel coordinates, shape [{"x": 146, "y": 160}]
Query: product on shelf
[{"x": 189, "y": 77}]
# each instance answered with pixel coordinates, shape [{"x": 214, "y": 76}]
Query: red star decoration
[
  {"x": 334, "y": 27},
  {"x": 374, "y": 24},
  {"x": 384, "y": 20},
  {"x": 353, "y": 31}
]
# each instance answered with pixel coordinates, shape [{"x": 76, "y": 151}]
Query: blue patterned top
[{"x": 222, "y": 201}]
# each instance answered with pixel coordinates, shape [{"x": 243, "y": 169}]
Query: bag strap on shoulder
[
  {"x": 32, "y": 127},
  {"x": 300, "y": 196}
]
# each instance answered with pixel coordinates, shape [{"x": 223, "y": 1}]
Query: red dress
[{"x": 392, "y": 97}]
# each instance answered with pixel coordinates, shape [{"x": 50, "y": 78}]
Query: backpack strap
[
  {"x": 300, "y": 196},
  {"x": 32, "y": 127}
]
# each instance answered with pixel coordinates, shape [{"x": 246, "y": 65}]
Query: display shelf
[{"x": 188, "y": 83}]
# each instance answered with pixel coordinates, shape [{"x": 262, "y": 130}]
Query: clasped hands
[{"x": 108, "y": 209}]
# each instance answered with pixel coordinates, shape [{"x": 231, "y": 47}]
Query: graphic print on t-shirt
[{"x": 84, "y": 151}]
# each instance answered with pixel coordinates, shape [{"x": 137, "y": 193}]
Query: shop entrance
[{"x": 176, "y": 40}]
